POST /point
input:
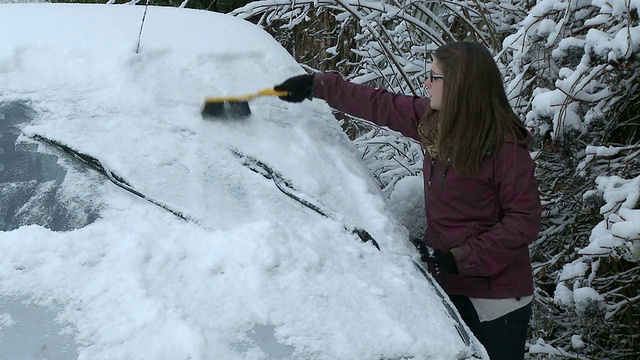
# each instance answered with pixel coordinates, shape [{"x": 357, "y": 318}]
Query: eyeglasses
[{"x": 432, "y": 77}]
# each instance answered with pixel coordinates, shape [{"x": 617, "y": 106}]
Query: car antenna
[{"x": 146, "y": 6}]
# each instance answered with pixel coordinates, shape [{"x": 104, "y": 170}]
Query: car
[{"x": 135, "y": 228}]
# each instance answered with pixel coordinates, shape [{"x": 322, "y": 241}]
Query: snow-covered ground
[{"x": 251, "y": 274}]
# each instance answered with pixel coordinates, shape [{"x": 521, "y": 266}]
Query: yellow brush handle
[
  {"x": 264, "y": 92},
  {"x": 272, "y": 92}
]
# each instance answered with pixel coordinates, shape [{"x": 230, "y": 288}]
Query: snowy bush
[
  {"x": 386, "y": 43},
  {"x": 573, "y": 74}
]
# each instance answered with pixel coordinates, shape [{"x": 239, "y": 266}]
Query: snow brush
[{"x": 234, "y": 107}]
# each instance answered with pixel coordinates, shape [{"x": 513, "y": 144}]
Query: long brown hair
[{"x": 475, "y": 115}]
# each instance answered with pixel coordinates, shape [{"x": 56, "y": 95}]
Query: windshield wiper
[
  {"x": 284, "y": 186},
  {"x": 288, "y": 189},
  {"x": 113, "y": 177},
  {"x": 248, "y": 161}
]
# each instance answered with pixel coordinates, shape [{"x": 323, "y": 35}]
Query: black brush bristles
[{"x": 226, "y": 110}]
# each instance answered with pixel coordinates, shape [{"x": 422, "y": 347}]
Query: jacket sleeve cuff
[
  {"x": 320, "y": 81},
  {"x": 317, "y": 84}
]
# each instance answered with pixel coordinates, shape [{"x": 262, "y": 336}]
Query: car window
[
  {"x": 32, "y": 187},
  {"x": 30, "y": 331}
]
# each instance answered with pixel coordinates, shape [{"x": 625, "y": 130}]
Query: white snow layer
[{"x": 140, "y": 283}]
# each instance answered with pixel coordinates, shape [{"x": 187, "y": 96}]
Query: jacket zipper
[
  {"x": 444, "y": 174},
  {"x": 430, "y": 172}
]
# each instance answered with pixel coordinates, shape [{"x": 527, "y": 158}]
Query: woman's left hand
[{"x": 443, "y": 261}]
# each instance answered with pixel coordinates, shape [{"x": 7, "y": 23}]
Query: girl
[{"x": 481, "y": 196}]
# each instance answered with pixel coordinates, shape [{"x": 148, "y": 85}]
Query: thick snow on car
[{"x": 133, "y": 228}]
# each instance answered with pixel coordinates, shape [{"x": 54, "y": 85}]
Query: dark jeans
[{"x": 505, "y": 337}]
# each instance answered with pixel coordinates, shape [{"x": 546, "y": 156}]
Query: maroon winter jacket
[{"x": 487, "y": 221}]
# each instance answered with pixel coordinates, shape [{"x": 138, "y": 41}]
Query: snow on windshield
[{"x": 141, "y": 283}]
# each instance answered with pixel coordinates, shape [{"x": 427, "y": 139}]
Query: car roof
[{"x": 223, "y": 238}]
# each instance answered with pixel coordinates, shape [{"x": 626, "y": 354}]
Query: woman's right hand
[{"x": 299, "y": 87}]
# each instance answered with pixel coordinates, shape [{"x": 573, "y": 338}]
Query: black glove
[
  {"x": 443, "y": 261},
  {"x": 299, "y": 88}
]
